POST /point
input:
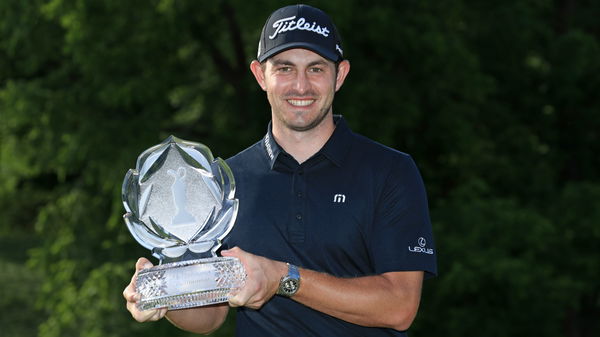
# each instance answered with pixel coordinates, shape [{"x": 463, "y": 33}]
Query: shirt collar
[
  {"x": 272, "y": 149},
  {"x": 338, "y": 145},
  {"x": 335, "y": 149}
]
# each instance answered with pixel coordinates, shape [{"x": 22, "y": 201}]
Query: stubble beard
[{"x": 313, "y": 124}]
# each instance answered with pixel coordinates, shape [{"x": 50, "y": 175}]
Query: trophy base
[{"x": 188, "y": 284}]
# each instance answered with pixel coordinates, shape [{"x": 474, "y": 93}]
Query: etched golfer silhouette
[{"x": 182, "y": 216}]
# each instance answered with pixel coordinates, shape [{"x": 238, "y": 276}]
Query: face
[{"x": 300, "y": 86}]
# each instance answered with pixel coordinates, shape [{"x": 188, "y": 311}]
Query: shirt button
[
  {"x": 299, "y": 194},
  {"x": 299, "y": 216}
]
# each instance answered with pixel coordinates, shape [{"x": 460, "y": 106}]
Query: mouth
[{"x": 301, "y": 102}]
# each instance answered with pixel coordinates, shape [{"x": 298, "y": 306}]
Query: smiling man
[
  {"x": 300, "y": 86},
  {"x": 333, "y": 229}
]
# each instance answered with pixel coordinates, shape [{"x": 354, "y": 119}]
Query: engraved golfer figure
[{"x": 182, "y": 216}]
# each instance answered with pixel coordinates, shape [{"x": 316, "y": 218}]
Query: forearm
[
  {"x": 202, "y": 320},
  {"x": 388, "y": 300}
]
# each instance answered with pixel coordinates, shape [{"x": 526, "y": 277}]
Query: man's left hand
[{"x": 262, "y": 280}]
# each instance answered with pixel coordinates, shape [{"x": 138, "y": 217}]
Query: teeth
[{"x": 301, "y": 102}]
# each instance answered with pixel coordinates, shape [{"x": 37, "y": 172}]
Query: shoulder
[
  {"x": 391, "y": 171},
  {"x": 245, "y": 157},
  {"x": 367, "y": 150}
]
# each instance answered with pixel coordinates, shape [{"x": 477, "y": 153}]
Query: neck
[{"x": 303, "y": 144}]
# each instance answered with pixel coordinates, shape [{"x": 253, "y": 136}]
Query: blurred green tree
[{"x": 495, "y": 100}]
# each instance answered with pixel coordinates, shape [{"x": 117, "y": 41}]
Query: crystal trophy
[{"x": 180, "y": 204}]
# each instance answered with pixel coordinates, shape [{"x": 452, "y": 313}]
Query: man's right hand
[{"x": 132, "y": 297}]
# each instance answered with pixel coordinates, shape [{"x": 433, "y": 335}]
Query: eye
[
  {"x": 316, "y": 70},
  {"x": 284, "y": 69}
]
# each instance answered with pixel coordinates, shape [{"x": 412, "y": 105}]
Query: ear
[
  {"x": 259, "y": 74},
  {"x": 343, "y": 70}
]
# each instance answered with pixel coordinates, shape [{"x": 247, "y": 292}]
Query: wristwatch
[{"x": 289, "y": 283}]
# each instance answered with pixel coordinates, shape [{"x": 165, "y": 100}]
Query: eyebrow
[
  {"x": 284, "y": 62},
  {"x": 280, "y": 62}
]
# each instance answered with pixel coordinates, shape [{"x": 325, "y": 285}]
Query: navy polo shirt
[{"x": 355, "y": 208}]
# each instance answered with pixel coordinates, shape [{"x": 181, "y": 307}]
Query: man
[{"x": 333, "y": 228}]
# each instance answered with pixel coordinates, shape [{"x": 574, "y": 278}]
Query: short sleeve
[{"x": 401, "y": 237}]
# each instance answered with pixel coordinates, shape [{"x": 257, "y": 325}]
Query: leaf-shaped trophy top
[{"x": 179, "y": 196}]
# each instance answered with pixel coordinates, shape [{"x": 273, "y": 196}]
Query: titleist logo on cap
[
  {"x": 289, "y": 24},
  {"x": 299, "y": 26}
]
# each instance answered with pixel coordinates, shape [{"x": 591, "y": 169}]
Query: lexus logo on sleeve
[{"x": 421, "y": 247}]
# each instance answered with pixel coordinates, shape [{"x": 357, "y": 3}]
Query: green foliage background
[{"x": 496, "y": 100}]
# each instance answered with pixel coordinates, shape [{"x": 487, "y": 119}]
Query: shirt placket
[{"x": 297, "y": 225}]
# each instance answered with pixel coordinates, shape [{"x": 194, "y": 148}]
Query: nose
[{"x": 302, "y": 82}]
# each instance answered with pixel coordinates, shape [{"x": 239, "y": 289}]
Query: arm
[
  {"x": 199, "y": 320},
  {"x": 203, "y": 320},
  {"x": 388, "y": 300}
]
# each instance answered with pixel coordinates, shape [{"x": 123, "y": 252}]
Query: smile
[{"x": 300, "y": 102}]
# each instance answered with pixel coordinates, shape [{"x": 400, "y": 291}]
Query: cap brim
[{"x": 332, "y": 56}]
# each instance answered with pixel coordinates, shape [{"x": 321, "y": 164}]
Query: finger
[
  {"x": 236, "y": 301},
  {"x": 235, "y": 252},
  {"x": 143, "y": 263},
  {"x": 127, "y": 293},
  {"x": 159, "y": 314},
  {"x": 241, "y": 298},
  {"x": 133, "y": 297},
  {"x": 140, "y": 316},
  {"x": 254, "y": 302},
  {"x": 145, "y": 315}
]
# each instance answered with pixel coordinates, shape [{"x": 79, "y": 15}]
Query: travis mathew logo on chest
[
  {"x": 339, "y": 198},
  {"x": 289, "y": 24}
]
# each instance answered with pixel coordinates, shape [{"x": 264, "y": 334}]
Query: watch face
[{"x": 289, "y": 286}]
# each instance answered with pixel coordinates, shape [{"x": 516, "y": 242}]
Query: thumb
[
  {"x": 143, "y": 263},
  {"x": 233, "y": 252}
]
